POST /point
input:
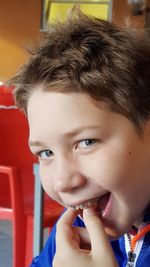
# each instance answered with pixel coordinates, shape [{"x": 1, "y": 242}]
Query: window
[{"x": 52, "y": 9}]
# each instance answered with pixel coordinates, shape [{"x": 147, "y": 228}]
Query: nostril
[
  {"x": 68, "y": 183},
  {"x": 75, "y": 188}
]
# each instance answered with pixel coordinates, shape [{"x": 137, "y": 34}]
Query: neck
[{"x": 145, "y": 217}]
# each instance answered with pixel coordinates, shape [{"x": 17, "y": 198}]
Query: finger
[
  {"x": 65, "y": 234},
  {"x": 99, "y": 240},
  {"x": 84, "y": 239},
  {"x": 68, "y": 217}
]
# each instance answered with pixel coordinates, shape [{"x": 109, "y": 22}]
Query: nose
[{"x": 67, "y": 176}]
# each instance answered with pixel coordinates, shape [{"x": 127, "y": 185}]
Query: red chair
[
  {"x": 17, "y": 181},
  {"x": 15, "y": 213}
]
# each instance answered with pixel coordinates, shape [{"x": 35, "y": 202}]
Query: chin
[
  {"x": 114, "y": 234},
  {"x": 114, "y": 231}
]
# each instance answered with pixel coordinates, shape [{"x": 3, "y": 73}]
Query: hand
[{"x": 68, "y": 250}]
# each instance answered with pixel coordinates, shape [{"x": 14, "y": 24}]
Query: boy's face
[{"x": 87, "y": 152}]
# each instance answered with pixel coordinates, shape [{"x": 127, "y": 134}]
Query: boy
[{"x": 86, "y": 93}]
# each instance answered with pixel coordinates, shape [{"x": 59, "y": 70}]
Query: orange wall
[
  {"x": 19, "y": 26},
  {"x": 122, "y": 15}
]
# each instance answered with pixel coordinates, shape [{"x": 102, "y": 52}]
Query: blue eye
[
  {"x": 87, "y": 143},
  {"x": 45, "y": 154}
]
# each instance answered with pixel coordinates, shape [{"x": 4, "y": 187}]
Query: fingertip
[
  {"x": 90, "y": 211},
  {"x": 90, "y": 214},
  {"x": 68, "y": 216},
  {"x": 91, "y": 217}
]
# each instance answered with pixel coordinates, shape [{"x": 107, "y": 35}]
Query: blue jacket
[{"x": 46, "y": 257}]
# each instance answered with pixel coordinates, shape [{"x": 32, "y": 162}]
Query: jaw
[
  {"x": 104, "y": 208},
  {"x": 111, "y": 214}
]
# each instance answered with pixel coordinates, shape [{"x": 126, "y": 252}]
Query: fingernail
[{"x": 90, "y": 211}]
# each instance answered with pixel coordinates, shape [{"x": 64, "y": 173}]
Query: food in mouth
[{"x": 99, "y": 204}]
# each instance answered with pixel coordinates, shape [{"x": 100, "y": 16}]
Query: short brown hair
[{"x": 92, "y": 56}]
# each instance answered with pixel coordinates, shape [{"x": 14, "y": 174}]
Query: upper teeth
[{"x": 89, "y": 203}]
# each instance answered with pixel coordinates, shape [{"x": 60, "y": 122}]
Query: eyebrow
[
  {"x": 80, "y": 130},
  {"x": 70, "y": 134},
  {"x": 36, "y": 143}
]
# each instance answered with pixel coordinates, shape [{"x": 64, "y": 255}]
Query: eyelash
[
  {"x": 88, "y": 146},
  {"x": 39, "y": 154},
  {"x": 77, "y": 146}
]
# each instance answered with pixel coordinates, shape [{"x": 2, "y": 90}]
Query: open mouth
[
  {"x": 102, "y": 204},
  {"x": 99, "y": 204}
]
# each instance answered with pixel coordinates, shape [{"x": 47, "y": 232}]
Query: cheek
[
  {"x": 109, "y": 170},
  {"x": 47, "y": 184}
]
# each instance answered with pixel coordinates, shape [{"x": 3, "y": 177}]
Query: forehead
[
  {"x": 63, "y": 104},
  {"x": 58, "y": 115}
]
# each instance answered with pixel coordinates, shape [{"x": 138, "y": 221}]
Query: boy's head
[
  {"x": 86, "y": 94},
  {"x": 94, "y": 57}
]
